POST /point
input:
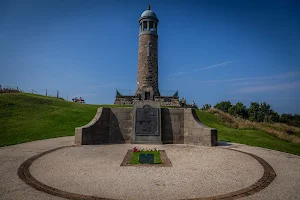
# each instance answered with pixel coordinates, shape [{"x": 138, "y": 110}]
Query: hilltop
[{"x": 28, "y": 117}]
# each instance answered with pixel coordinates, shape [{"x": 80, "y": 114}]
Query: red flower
[{"x": 135, "y": 149}]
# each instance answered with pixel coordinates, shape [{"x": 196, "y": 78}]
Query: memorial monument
[{"x": 146, "y": 122}]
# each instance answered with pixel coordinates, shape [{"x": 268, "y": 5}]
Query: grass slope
[
  {"x": 27, "y": 117},
  {"x": 249, "y": 137}
]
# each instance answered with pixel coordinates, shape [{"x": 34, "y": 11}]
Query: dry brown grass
[{"x": 282, "y": 131}]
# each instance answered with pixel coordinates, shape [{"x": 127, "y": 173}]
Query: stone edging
[
  {"x": 163, "y": 156},
  {"x": 24, "y": 174}
]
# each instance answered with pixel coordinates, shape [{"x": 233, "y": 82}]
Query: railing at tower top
[{"x": 131, "y": 92}]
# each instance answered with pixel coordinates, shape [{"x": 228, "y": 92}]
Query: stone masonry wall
[
  {"x": 172, "y": 126},
  {"x": 148, "y": 65},
  {"x": 182, "y": 126},
  {"x": 110, "y": 125},
  {"x": 115, "y": 125},
  {"x": 95, "y": 132},
  {"x": 197, "y": 133},
  {"x": 121, "y": 124}
]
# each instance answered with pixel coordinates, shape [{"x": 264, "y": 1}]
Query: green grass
[
  {"x": 28, "y": 117},
  {"x": 249, "y": 137},
  {"x": 135, "y": 157}
]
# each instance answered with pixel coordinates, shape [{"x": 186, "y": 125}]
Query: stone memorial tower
[
  {"x": 147, "y": 78},
  {"x": 147, "y": 73}
]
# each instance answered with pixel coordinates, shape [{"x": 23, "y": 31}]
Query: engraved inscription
[{"x": 146, "y": 121}]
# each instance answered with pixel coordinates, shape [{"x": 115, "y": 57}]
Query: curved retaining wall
[{"x": 115, "y": 125}]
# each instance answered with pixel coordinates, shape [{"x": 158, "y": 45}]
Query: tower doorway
[{"x": 147, "y": 95}]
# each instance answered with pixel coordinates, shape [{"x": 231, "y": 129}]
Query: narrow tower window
[
  {"x": 144, "y": 26},
  {"x": 151, "y": 26}
]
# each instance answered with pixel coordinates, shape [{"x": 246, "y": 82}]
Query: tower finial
[{"x": 148, "y": 6}]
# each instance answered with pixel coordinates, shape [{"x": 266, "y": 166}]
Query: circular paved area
[{"x": 196, "y": 172}]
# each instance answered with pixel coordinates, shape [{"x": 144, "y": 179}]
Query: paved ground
[{"x": 95, "y": 170}]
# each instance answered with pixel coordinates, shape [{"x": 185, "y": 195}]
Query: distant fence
[{"x": 44, "y": 92}]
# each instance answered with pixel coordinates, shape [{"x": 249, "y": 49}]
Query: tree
[
  {"x": 238, "y": 110},
  {"x": 274, "y": 117},
  {"x": 253, "y": 111},
  {"x": 265, "y": 112},
  {"x": 224, "y": 106},
  {"x": 262, "y": 113},
  {"x": 290, "y": 119}
]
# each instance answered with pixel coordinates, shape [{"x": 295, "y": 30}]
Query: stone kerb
[{"x": 196, "y": 132}]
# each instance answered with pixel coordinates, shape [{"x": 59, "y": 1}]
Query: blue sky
[{"x": 209, "y": 50}]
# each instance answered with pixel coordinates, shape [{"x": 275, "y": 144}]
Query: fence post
[{"x": 46, "y": 93}]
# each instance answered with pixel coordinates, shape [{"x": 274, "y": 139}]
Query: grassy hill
[
  {"x": 248, "y": 136},
  {"x": 27, "y": 117}
]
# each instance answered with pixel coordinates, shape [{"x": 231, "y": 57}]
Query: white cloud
[
  {"x": 216, "y": 65},
  {"x": 263, "y": 88},
  {"x": 278, "y": 76},
  {"x": 252, "y": 83},
  {"x": 224, "y": 80},
  {"x": 102, "y": 86},
  {"x": 178, "y": 73},
  {"x": 84, "y": 95}
]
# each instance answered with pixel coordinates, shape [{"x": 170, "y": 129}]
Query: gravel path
[{"x": 95, "y": 170}]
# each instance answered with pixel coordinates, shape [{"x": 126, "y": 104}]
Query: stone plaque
[
  {"x": 146, "y": 121},
  {"x": 146, "y": 158}
]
